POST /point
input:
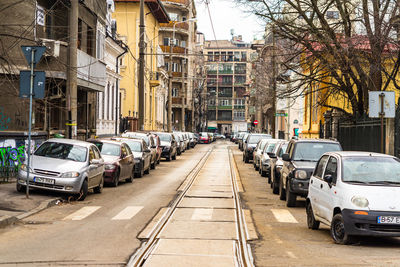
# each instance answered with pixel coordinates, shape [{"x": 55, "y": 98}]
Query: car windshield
[
  {"x": 282, "y": 150},
  {"x": 62, "y": 151},
  {"x": 312, "y": 151},
  {"x": 253, "y": 139},
  {"x": 270, "y": 147},
  {"x": 135, "y": 146},
  {"x": 109, "y": 149},
  {"x": 204, "y": 135},
  {"x": 165, "y": 137},
  {"x": 371, "y": 170},
  {"x": 138, "y": 136},
  {"x": 262, "y": 145}
]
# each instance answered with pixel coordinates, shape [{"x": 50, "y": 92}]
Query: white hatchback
[{"x": 355, "y": 193}]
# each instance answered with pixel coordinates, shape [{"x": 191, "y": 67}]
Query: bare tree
[{"x": 343, "y": 48}]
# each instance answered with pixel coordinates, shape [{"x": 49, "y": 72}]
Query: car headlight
[
  {"x": 361, "y": 202},
  {"x": 136, "y": 160},
  {"x": 265, "y": 161},
  {"x": 110, "y": 166},
  {"x": 70, "y": 174},
  {"x": 300, "y": 174},
  {"x": 24, "y": 167}
]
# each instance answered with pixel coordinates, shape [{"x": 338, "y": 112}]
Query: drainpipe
[{"x": 118, "y": 107}]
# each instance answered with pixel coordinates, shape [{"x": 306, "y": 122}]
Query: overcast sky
[{"x": 226, "y": 16}]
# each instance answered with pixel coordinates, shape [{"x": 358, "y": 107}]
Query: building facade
[{"x": 228, "y": 78}]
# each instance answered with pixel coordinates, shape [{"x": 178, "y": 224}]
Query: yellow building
[{"x": 127, "y": 18}]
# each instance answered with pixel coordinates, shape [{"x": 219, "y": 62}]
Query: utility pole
[
  {"x": 273, "y": 82},
  {"x": 141, "y": 67},
  {"x": 171, "y": 43},
  {"x": 72, "y": 79}
]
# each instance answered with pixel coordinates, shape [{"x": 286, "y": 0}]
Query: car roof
[
  {"x": 70, "y": 141},
  {"x": 358, "y": 154},
  {"x": 108, "y": 141},
  {"x": 313, "y": 140},
  {"x": 128, "y": 138}
]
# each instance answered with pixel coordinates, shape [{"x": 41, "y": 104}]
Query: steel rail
[
  {"x": 139, "y": 258},
  {"x": 243, "y": 249}
]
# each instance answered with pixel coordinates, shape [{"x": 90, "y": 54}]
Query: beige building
[{"x": 228, "y": 77}]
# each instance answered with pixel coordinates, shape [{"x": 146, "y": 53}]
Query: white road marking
[
  {"x": 291, "y": 255},
  {"x": 202, "y": 214},
  {"x": 82, "y": 213},
  {"x": 128, "y": 213},
  {"x": 284, "y": 216}
]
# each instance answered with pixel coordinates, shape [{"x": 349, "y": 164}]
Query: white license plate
[
  {"x": 44, "y": 180},
  {"x": 389, "y": 219}
]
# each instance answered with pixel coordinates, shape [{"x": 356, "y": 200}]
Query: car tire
[
  {"x": 130, "y": 179},
  {"x": 141, "y": 172},
  {"x": 246, "y": 159},
  {"x": 282, "y": 191},
  {"x": 98, "y": 189},
  {"x": 174, "y": 157},
  {"x": 263, "y": 173},
  {"x": 83, "y": 192},
  {"x": 20, "y": 188},
  {"x": 147, "y": 171},
  {"x": 291, "y": 199},
  {"x": 338, "y": 231},
  {"x": 116, "y": 178},
  {"x": 312, "y": 223},
  {"x": 275, "y": 187},
  {"x": 153, "y": 165},
  {"x": 169, "y": 157}
]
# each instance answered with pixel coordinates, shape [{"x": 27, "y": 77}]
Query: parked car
[
  {"x": 299, "y": 163},
  {"x": 265, "y": 167},
  {"x": 118, "y": 161},
  {"x": 169, "y": 146},
  {"x": 141, "y": 153},
  {"x": 250, "y": 143},
  {"x": 258, "y": 151},
  {"x": 157, "y": 143},
  {"x": 355, "y": 194},
  {"x": 148, "y": 138},
  {"x": 204, "y": 138},
  {"x": 276, "y": 165},
  {"x": 64, "y": 165},
  {"x": 192, "y": 140},
  {"x": 239, "y": 137},
  {"x": 241, "y": 140},
  {"x": 219, "y": 136},
  {"x": 212, "y": 137},
  {"x": 182, "y": 147}
]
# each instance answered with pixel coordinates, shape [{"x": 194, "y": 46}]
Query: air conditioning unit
[{"x": 52, "y": 47}]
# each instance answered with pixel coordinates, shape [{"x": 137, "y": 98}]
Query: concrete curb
[{"x": 8, "y": 220}]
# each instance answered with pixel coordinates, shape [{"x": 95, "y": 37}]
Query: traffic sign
[
  {"x": 281, "y": 114},
  {"x": 39, "y": 81},
  {"x": 255, "y": 122},
  {"x": 39, "y": 51}
]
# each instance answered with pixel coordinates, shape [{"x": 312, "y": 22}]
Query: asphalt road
[
  {"x": 103, "y": 229},
  {"x": 285, "y": 240}
]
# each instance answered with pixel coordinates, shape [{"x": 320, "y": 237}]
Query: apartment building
[
  {"x": 228, "y": 78},
  {"x": 181, "y": 61}
]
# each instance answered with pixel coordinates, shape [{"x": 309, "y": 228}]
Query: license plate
[
  {"x": 389, "y": 219},
  {"x": 43, "y": 180}
]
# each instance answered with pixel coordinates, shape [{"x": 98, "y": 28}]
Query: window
[
  {"x": 237, "y": 56},
  {"x": 320, "y": 167},
  {"x": 230, "y": 56},
  {"x": 240, "y": 101},
  {"x": 166, "y": 41},
  {"x": 124, "y": 151},
  {"x": 173, "y": 16},
  {"x": 79, "y": 33},
  {"x": 225, "y": 102},
  {"x": 91, "y": 154},
  {"x": 211, "y": 102},
  {"x": 331, "y": 169},
  {"x": 108, "y": 101},
  {"x": 112, "y": 102},
  {"x": 332, "y": 14},
  {"x": 183, "y": 43},
  {"x": 244, "y": 56},
  {"x": 103, "y": 104},
  {"x": 100, "y": 40},
  {"x": 90, "y": 41}
]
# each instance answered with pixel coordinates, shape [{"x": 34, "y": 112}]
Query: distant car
[
  {"x": 141, "y": 153},
  {"x": 355, "y": 194},
  {"x": 118, "y": 161},
  {"x": 265, "y": 166},
  {"x": 148, "y": 138},
  {"x": 258, "y": 151},
  {"x": 192, "y": 140},
  {"x": 157, "y": 144},
  {"x": 64, "y": 165},
  {"x": 169, "y": 146},
  {"x": 250, "y": 143},
  {"x": 219, "y": 136},
  {"x": 299, "y": 163},
  {"x": 242, "y": 140},
  {"x": 204, "y": 138},
  {"x": 276, "y": 165}
]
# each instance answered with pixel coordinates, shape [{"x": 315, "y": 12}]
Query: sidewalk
[{"x": 15, "y": 206}]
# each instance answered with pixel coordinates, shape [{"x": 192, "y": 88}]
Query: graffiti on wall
[{"x": 4, "y": 120}]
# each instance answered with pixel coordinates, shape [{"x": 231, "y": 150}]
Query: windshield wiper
[
  {"x": 356, "y": 182},
  {"x": 309, "y": 160},
  {"x": 384, "y": 182}
]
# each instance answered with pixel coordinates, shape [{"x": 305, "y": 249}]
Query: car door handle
[{"x": 321, "y": 185}]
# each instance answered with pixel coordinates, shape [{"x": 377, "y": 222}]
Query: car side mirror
[
  {"x": 154, "y": 147},
  {"x": 328, "y": 178},
  {"x": 271, "y": 155},
  {"x": 97, "y": 161},
  {"x": 286, "y": 157}
]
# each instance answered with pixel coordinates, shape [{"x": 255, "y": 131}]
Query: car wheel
[
  {"x": 282, "y": 191},
  {"x": 21, "y": 188},
  {"x": 275, "y": 187},
  {"x": 130, "y": 179},
  {"x": 116, "y": 178},
  {"x": 141, "y": 172},
  {"x": 290, "y": 198},
  {"x": 169, "y": 157},
  {"x": 246, "y": 159},
  {"x": 174, "y": 157},
  {"x": 338, "y": 231},
  {"x": 153, "y": 165},
  {"x": 312, "y": 223},
  {"x": 263, "y": 173},
  {"x": 147, "y": 171},
  {"x": 98, "y": 189},
  {"x": 158, "y": 161},
  {"x": 84, "y": 190}
]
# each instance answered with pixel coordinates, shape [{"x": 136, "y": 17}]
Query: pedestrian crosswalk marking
[
  {"x": 82, "y": 213},
  {"x": 127, "y": 213},
  {"x": 282, "y": 215},
  {"x": 202, "y": 214}
]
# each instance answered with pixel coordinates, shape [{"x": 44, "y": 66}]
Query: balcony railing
[
  {"x": 177, "y": 74},
  {"x": 224, "y": 107},
  {"x": 182, "y": 2},
  {"x": 211, "y": 107},
  {"x": 180, "y": 25},
  {"x": 239, "y": 106},
  {"x": 175, "y": 49},
  {"x": 178, "y": 100}
]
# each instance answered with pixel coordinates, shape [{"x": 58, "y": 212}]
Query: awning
[{"x": 212, "y": 128}]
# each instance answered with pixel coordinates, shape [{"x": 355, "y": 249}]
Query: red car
[{"x": 204, "y": 138}]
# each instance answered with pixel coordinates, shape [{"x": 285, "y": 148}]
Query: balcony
[
  {"x": 211, "y": 107},
  {"x": 239, "y": 106},
  {"x": 91, "y": 72},
  {"x": 181, "y": 3},
  {"x": 177, "y": 74},
  {"x": 175, "y": 49},
  {"x": 180, "y": 26},
  {"x": 224, "y": 107}
]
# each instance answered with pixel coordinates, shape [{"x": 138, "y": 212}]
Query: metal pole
[
  {"x": 171, "y": 43},
  {"x": 141, "y": 68},
  {"x": 30, "y": 122},
  {"x": 273, "y": 124},
  {"x": 382, "y": 115}
]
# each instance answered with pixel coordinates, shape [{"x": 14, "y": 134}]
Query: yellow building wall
[{"x": 127, "y": 16}]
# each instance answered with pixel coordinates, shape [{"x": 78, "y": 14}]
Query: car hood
[
  {"x": 165, "y": 143},
  {"x": 56, "y": 165},
  {"x": 110, "y": 159},
  {"x": 304, "y": 164},
  {"x": 380, "y": 198}
]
